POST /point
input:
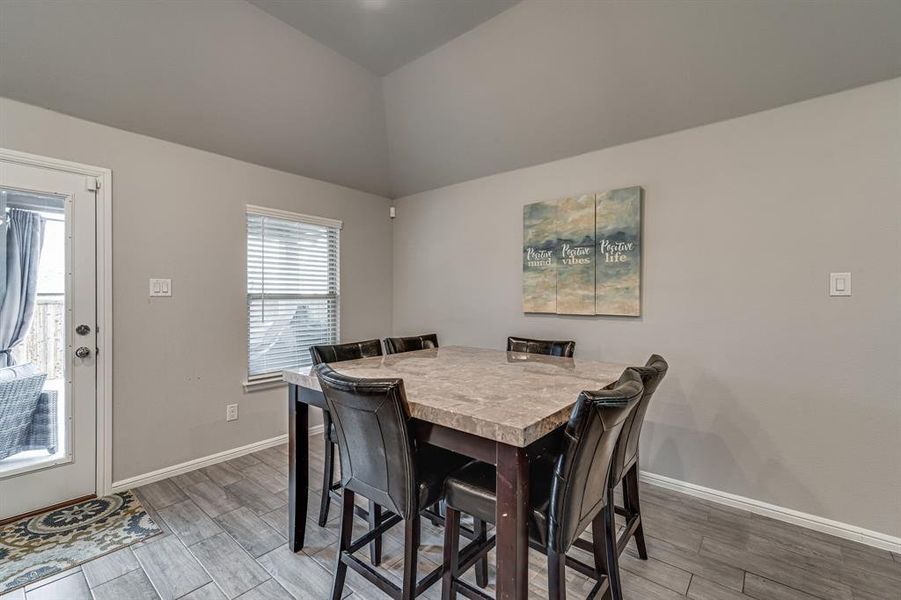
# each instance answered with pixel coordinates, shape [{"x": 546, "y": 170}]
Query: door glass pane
[{"x": 33, "y": 408}]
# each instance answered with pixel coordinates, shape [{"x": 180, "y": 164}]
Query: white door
[{"x": 48, "y": 394}]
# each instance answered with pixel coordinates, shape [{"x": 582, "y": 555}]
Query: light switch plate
[
  {"x": 160, "y": 288},
  {"x": 231, "y": 412},
  {"x": 839, "y": 284}
]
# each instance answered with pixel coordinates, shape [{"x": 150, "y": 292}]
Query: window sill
[{"x": 268, "y": 383}]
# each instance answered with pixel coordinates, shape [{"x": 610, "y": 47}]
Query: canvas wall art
[
  {"x": 582, "y": 254},
  {"x": 539, "y": 265},
  {"x": 619, "y": 252},
  {"x": 576, "y": 255}
]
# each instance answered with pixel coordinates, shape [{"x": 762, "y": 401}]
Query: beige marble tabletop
[{"x": 509, "y": 397}]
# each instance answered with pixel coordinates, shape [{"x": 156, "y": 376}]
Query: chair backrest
[
  {"x": 627, "y": 452},
  {"x": 396, "y": 345},
  {"x": 20, "y": 407},
  {"x": 564, "y": 348},
  {"x": 328, "y": 353},
  {"x": 579, "y": 489},
  {"x": 374, "y": 442}
]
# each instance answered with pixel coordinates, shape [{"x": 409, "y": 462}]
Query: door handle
[
  {"x": 82, "y": 352},
  {"x": 83, "y": 329}
]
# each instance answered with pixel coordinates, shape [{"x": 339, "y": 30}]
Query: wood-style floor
[{"x": 225, "y": 526}]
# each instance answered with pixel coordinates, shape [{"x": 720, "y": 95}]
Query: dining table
[{"x": 487, "y": 404}]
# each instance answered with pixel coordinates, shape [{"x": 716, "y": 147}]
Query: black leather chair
[
  {"x": 625, "y": 462},
  {"x": 383, "y": 462},
  {"x": 564, "y": 348},
  {"x": 396, "y": 345},
  {"x": 328, "y": 354},
  {"x": 568, "y": 492}
]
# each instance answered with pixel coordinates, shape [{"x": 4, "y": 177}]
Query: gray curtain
[{"x": 24, "y": 238}]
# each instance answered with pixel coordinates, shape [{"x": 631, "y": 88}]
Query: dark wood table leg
[
  {"x": 512, "y": 524},
  {"x": 298, "y": 468}
]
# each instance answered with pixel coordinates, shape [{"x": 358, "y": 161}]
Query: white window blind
[{"x": 292, "y": 289}]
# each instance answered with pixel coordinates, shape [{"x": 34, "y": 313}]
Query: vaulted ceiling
[
  {"x": 472, "y": 87},
  {"x": 383, "y": 35}
]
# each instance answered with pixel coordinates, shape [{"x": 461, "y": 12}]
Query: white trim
[
  {"x": 263, "y": 383},
  {"x": 197, "y": 463},
  {"x": 36, "y": 465},
  {"x": 34, "y": 160},
  {"x": 779, "y": 513},
  {"x": 317, "y": 429},
  {"x": 293, "y": 216},
  {"x": 104, "y": 259}
]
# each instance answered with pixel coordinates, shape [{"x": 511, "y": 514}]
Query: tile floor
[{"x": 225, "y": 538}]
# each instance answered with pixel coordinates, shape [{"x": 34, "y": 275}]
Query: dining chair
[
  {"x": 568, "y": 493},
  {"x": 396, "y": 345},
  {"x": 625, "y": 462},
  {"x": 329, "y": 353},
  {"x": 436, "y": 514},
  {"x": 564, "y": 348},
  {"x": 382, "y": 461}
]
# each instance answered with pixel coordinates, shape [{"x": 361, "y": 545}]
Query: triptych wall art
[{"x": 582, "y": 255}]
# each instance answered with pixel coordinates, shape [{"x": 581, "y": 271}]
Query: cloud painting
[
  {"x": 618, "y": 240},
  {"x": 582, "y": 255}
]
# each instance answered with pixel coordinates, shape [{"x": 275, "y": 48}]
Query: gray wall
[
  {"x": 549, "y": 79},
  {"x": 179, "y": 213},
  {"x": 776, "y": 392},
  {"x": 220, "y": 75}
]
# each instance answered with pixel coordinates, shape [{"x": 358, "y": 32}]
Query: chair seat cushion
[
  {"x": 472, "y": 490},
  {"x": 433, "y": 465},
  {"x": 18, "y": 371}
]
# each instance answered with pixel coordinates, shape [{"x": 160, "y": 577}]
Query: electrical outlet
[{"x": 231, "y": 412}]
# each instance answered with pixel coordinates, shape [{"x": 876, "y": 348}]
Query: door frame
[{"x": 103, "y": 179}]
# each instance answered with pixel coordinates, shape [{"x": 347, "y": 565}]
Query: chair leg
[
  {"x": 481, "y": 531},
  {"x": 633, "y": 506},
  {"x": 328, "y": 475},
  {"x": 375, "y": 546},
  {"x": 433, "y": 514},
  {"x": 344, "y": 539},
  {"x": 556, "y": 575},
  {"x": 611, "y": 553},
  {"x": 599, "y": 545},
  {"x": 451, "y": 553},
  {"x": 411, "y": 557}
]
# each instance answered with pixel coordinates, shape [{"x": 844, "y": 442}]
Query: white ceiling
[{"x": 383, "y": 35}]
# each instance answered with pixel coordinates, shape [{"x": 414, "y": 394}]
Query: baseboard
[
  {"x": 787, "y": 515},
  {"x": 197, "y": 463}
]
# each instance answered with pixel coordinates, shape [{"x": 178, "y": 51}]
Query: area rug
[{"x": 36, "y": 547}]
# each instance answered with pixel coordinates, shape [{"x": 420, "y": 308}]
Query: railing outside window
[{"x": 45, "y": 343}]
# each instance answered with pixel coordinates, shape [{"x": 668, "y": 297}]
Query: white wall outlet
[
  {"x": 231, "y": 412},
  {"x": 160, "y": 288},
  {"x": 839, "y": 284}
]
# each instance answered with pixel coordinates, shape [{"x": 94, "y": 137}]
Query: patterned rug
[{"x": 37, "y": 547}]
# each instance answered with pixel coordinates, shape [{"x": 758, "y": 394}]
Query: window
[{"x": 292, "y": 289}]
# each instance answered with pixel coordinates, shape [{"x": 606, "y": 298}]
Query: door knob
[
  {"x": 82, "y": 352},
  {"x": 83, "y": 329}
]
